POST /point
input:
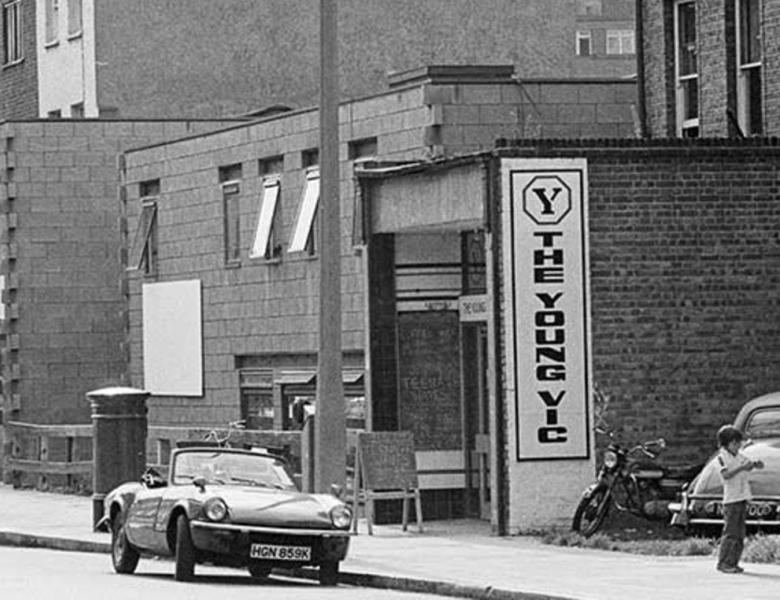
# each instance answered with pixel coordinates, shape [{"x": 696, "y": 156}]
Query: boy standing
[{"x": 734, "y": 467}]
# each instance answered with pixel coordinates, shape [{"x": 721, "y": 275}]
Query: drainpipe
[{"x": 640, "y": 70}]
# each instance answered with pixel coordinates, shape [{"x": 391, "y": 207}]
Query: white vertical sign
[{"x": 547, "y": 305}]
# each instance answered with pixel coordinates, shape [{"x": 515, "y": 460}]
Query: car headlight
[
  {"x": 341, "y": 517},
  {"x": 610, "y": 459},
  {"x": 215, "y": 509}
]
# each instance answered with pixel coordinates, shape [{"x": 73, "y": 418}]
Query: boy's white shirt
[{"x": 736, "y": 488}]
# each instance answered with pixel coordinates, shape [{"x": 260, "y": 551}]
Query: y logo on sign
[{"x": 547, "y": 200}]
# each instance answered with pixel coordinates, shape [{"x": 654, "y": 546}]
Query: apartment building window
[
  {"x": 590, "y": 8},
  {"x": 265, "y": 244},
  {"x": 77, "y": 110},
  {"x": 75, "y": 19},
  {"x": 620, "y": 41},
  {"x": 12, "y": 32},
  {"x": 230, "y": 181},
  {"x": 52, "y": 15},
  {"x": 362, "y": 149},
  {"x": 143, "y": 252},
  {"x": 749, "y": 61},
  {"x": 305, "y": 235},
  {"x": 686, "y": 69},
  {"x": 310, "y": 158},
  {"x": 583, "y": 43}
]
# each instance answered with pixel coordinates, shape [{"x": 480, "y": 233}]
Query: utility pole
[{"x": 330, "y": 434}]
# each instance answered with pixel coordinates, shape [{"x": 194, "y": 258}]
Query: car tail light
[{"x": 215, "y": 509}]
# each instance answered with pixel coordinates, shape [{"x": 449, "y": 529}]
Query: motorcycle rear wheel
[{"x": 591, "y": 511}]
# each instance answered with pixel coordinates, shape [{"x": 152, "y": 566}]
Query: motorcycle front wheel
[{"x": 591, "y": 511}]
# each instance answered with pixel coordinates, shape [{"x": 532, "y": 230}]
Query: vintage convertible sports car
[
  {"x": 700, "y": 508},
  {"x": 226, "y": 507}
]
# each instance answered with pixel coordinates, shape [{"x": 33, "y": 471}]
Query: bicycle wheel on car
[
  {"x": 185, "y": 551},
  {"x": 123, "y": 556},
  {"x": 591, "y": 511}
]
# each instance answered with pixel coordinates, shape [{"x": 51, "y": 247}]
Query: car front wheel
[
  {"x": 329, "y": 573},
  {"x": 185, "y": 551},
  {"x": 123, "y": 555}
]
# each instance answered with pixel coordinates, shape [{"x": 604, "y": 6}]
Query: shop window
[
  {"x": 265, "y": 244},
  {"x": 749, "y": 62},
  {"x": 473, "y": 261},
  {"x": 257, "y": 401},
  {"x": 12, "y": 32},
  {"x": 620, "y": 41},
  {"x": 75, "y": 19},
  {"x": 52, "y": 17},
  {"x": 229, "y": 178},
  {"x": 143, "y": 252},
  {"x": 583, "y": 43},
  {"x": 305, "y": 234},
  {"x": 299, "y": 390},
  {"x": 686, "y": 69}
]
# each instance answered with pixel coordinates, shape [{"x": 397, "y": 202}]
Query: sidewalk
[{"x": 453, "y": 558}]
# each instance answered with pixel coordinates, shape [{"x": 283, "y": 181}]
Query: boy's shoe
[{"x": 724, "y": 569}]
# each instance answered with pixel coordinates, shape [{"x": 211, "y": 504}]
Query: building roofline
[{"x": 520, "y": 148}]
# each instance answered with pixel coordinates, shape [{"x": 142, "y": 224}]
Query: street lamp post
[{"x": 330, "y": 420}]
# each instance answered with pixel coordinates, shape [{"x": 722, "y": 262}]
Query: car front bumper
[{"x": 235, "y": 541}]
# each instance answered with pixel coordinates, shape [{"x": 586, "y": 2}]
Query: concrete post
[{"x": 119, "y": 428}]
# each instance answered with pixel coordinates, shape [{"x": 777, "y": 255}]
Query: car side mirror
[{"x": 200, "y": 483}]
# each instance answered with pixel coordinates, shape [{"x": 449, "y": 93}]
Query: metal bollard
[{"x": 119, "y": 428}]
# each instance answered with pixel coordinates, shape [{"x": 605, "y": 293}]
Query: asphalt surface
[{"x": 449, "y": 558}]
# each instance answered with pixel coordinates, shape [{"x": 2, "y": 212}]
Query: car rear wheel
[
  {"x": 329, "y": 573},
  {"x": 123, "y": 555},
  {"x": 185, "y": 551},
  {"x": 259, "y": 570}
]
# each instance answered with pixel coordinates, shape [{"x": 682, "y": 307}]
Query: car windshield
[
  {"x": 230, "y": 468},
  {"x": 764, "y": 423}
]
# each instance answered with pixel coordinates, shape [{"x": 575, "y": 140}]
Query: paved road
[{"x": 32, "y": 574}]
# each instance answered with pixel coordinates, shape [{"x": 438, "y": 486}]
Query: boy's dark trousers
[{"x": 733, "y": 539}]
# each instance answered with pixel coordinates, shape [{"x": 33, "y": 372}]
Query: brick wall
[
  {"x": 19, "y": 82},
  {"x": 684, "y": 282},
  {"x": 716, "y": 39},
  {"x": 60, "y": 246}
]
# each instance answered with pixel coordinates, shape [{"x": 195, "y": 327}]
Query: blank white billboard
[{"x": 172, "y": 338}]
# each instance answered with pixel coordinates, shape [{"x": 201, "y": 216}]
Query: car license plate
[{"x": 274, "y": 552}]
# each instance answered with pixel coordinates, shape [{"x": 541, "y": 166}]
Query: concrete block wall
[
  {"x": 19, "y": 81},
  {"x": 270, "y": 307},
  {"x": 474, "y": 116},
  {"x": 684, "y": 282},
  {"x": 60, "y": 244}
]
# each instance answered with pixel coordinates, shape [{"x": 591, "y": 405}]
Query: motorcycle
[{"x": 631, "y": 480}]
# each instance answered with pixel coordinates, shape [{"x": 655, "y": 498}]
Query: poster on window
[{"x": 547, "y": 308}]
